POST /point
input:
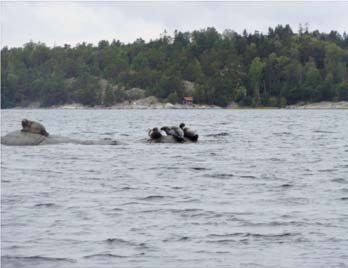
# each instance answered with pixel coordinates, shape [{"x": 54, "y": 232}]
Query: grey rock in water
[
  {"x": 21, "y": 138},
  {"x": 168, "y": 139}
]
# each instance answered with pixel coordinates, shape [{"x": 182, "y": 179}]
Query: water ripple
[
  {"x": 104, "y": 255},
  {"x": 260, "y": 188}
]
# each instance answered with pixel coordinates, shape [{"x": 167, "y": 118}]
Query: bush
[
  {"x": 246, "y": 101},
  {"x": 342, "y": 89},
  {"x": 282, "y": 102},
  {"x": 173, "y": 98}
]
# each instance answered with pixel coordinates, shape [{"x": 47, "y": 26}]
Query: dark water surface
[{"x": 260, "y": 189}]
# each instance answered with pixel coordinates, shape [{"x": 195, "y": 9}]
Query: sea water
[{"x": 261, "y": 188}]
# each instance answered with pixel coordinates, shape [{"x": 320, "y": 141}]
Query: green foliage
[
  {"x": 312, "y": 82},
  {"x": 255, "y": 76},
  {"x": 276, "y": 69},
  {"x": 109, "y": 97},
  {"x": 168, "y": 85},
  {"x": 85, "y": 91},
  {"x": 282, "y": 102},
  {"x": 173, "y": 98},
  {"x": 342, "y": 89},
  {"x": 54, "y": 93},
  {"x": 239, "y": 93},
  {"x": 269, "y": 101}
]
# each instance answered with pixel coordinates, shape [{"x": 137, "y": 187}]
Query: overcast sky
[{"x": 59, "y": 23}]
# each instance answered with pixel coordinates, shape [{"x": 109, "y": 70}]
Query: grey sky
[{"x": 57, "y": 23}]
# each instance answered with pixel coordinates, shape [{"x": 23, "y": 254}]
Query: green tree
[
  {"x": 173, "y": 98},
  {"x": 109, "y": 97},
  {"x": 312, "y": 82},
  {"x": 256, "y": 75},
  {"x": 278, "y": 68},
  {"x": 342, "y": 89}
]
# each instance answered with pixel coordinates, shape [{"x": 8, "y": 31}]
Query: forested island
[{"x": 279, "y": 68}]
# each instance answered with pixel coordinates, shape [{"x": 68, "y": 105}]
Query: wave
[
  {"x": 190, "y": 213},
  {"x": 286, "y": 185},
  {"x": 103, "y": 255},
  {"x": 126, "y": 188},
  {"x": 209, "y": 252},
  {"x": 327, "y": 170},
  {"x": 37, "y": 258},
  {"x": 117, "y": 209},
  {"x": 154, "y": 197},
  {"x": 119, "y": 241},
  {"x": 223, "y": 241},
  {"x": 323, "y": 131},
  {"x": 199, "y": 168},
  {"x": 130, "y": 203},
  {"x": 45, "y": 205},
  {"x": 281, "y": 133},
  {"x": 340, "y": 180},
  {"x": 248, "y": 177},
  {"x": 222, "y": 176},
  {"x": 275, "y": 159},
  {"x": 178, "y": 239},
  {"x": 245, "y": 237},
  {"x": 256, "y": 235},
  {"x": 277, "y": 223},
  {"x": 222, "y": 134}
]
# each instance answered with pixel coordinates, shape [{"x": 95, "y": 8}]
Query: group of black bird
[{"x": 180, "y": 134}]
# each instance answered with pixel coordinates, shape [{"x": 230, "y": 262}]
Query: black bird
[{"x": 189, "y": 133}]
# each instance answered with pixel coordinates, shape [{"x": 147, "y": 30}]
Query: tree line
[{"x": 253, "y": 69}]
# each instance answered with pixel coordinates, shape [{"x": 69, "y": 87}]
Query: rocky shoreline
[
  {"x": 148, "y": 104},
  {"x": 135, "y": 106},
  {"x": 320, "y": 105}
]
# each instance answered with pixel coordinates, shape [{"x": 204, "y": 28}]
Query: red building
[{"x": 187, "y": 100}]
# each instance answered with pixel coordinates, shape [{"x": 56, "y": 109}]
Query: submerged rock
[
  {"x": 168, "y": 139},
  {"x": 20, "y": 138}
]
